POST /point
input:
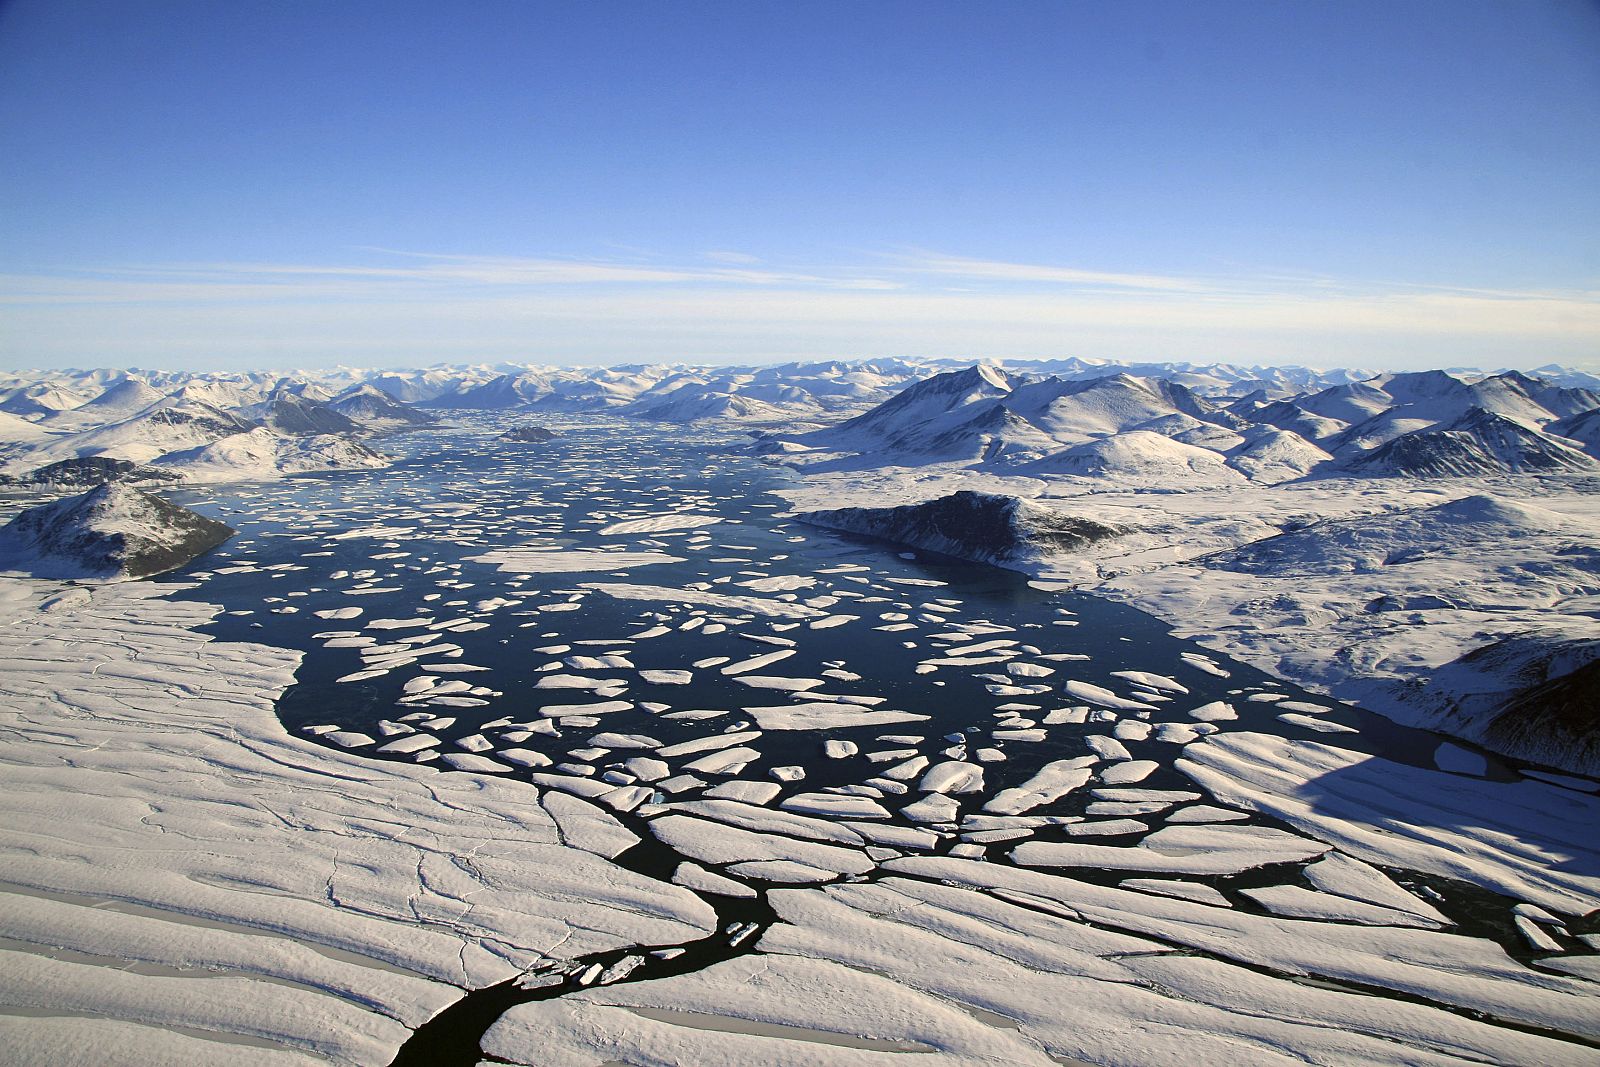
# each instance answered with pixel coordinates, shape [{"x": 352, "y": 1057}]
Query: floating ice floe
[
  {"x": 665, "y": 594},
  {"x": 1050, "y": 783},
  {"x": 1094, "y": 694},
  {"x": 660, "y": 523},
  {"x": 825, "y": 716},
  {"x": 533, "y": 559},
  {"x": 320, "y": 959}
]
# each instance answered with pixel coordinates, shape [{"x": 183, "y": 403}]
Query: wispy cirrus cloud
[
  {"x": 988, "y": 270},
  {"x": 723, "y": 255},
  {"x": 397, "y": 274},
  {"x": 479, "y": 270},
  {"x": 438, "y": 305}
]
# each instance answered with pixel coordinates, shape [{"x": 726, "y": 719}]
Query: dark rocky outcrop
[
  {"x": 112, "y": 533},
  {"x": 299, "y": 417},
  {"x": 1557, "y": 722},
  {"x": 89, "y": 471},
  {"x": 985, "y": 527},
  {"x": 1534, "y": 697},
  {"x": 529, "y": 434}
]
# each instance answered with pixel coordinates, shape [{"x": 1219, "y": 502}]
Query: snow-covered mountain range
[
  {"x": 1427, "y": 544},
  {"x": 1074, "y": 417},
  {"x": 783, "y": 392},
  {"x": 1158, "y": 430},
  {"x": 84, "y": 428}
]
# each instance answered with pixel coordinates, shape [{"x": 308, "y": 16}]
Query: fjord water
[
  {"x": 460, "y": 493},
  {"x": 400, "y": 544}
]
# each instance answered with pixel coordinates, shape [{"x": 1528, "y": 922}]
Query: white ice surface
[
  {"x": 731, "y": 604},
  {"x": 1521, "y": 838},
  {"x": 144, "y": 767},
  {"x": 536, "y": 559}
]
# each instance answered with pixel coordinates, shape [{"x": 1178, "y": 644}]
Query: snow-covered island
[
  {"x": 694, "y": 740},
  {"x": 529, "y": 433},
  {"x": 110, "y": 533}
]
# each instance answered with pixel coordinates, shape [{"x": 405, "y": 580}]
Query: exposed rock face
[
  {"x": 200, "y": 416},
  {"x": 1481, "y": 442},
  {"x": 1533, "y": 697},
  {"x": 1556, "y": 723},
  {"x": 529, "y": 433},
  {"x": 299, "y": 417},
  {"x": 91, "y": 471},
  {"x": 113, "y": 533},
  {"x": 376, "y": 410},
  {"x": 985, "y": 527}
]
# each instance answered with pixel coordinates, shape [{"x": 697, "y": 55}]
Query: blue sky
[{"x": 1393, "y": 184}]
